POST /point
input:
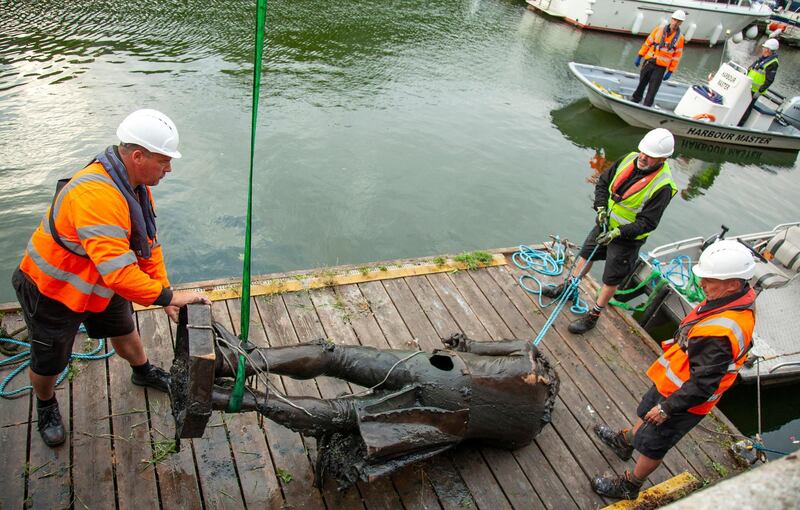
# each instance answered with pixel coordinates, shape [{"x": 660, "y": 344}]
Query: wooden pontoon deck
[{"x": 117, "y": 430}]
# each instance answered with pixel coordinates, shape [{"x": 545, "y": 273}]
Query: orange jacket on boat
[
  {"x": 92, "y": 218},
  {"x": 734, "y": 321},
  {"x": 667, "y": 50}
]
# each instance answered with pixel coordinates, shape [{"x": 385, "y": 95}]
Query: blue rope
[
  {"x": 758, "y": 446},
  {"x": 91, "y": 355},
  {"x": 542, "y": 262},
  {"x": 678, "y": 271}
]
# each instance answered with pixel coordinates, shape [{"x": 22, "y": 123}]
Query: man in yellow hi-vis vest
[
  {"x": 630, "y": 198},
  {"x": 762, "y": 73},
  {"x": 661, "y": 51},
  {"x": 696, "y": 368}
]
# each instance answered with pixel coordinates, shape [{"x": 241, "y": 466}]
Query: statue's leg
[
  {"x": 365, "y": 366},
  {"x": 306, "y": 415}
]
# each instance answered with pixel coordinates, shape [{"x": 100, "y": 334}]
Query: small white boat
[
  {"x": 707, "y": 21},
  {"x": 776, "y": 340},
  {"x": 785, "y": 24},
  {"x": 709, "y": 113}
]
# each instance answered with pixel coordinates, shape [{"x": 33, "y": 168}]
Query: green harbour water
[{"x": 386, "y": 130}]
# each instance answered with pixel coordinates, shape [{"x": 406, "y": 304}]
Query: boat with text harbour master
[
  {"x": 707, "y": 21},
  {"x": 664, "y": 275},
  {"x": 704, "y": 112}
]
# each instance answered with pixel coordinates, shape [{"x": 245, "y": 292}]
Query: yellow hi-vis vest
[
  {"x": 758, "y": 74},
  {"x": 623, "y": 209}
]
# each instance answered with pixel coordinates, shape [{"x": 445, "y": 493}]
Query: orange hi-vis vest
[
  {"x": 92, "y": 220},
  {"x": 666, "y": 49},
  {"x": 734, "y": 321}
]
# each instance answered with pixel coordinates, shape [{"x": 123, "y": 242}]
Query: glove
[
  {"x": 602, "y": 216},
  {"x": 667, "y": 75},
  {"x": 606, "y": 237},
  {"x": 638, "y": 61}
]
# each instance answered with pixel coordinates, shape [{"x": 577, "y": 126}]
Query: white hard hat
[
  {"x": 658, "y": 143},
  {"x": 726, "y": 260},
  {"x": 152, "y": 130},
  {"x": 771, "y": 44},
  {"x": 679, "y": 15}
]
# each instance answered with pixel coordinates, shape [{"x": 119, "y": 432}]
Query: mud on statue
[{"x": 418, "y": 404}]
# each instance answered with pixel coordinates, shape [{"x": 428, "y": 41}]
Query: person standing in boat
[
  {"x": 630, "y": 198},
  {"x": 94, "y": 252},
  {"x": 696, "y": 368},
  {"x": 762, "y": 73},
  {"x": 661, "y": 51}
]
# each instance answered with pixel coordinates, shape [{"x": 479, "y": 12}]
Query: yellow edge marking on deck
[
  {"x": 662, "y": 494},
  {"x": 315, "y": 281}
]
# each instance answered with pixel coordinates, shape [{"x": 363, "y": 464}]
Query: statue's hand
[{"x": 456, "y": 342}]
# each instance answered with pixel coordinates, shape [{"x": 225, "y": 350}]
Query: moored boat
[
  {"x": 707, "y": 22},
  {"x": 776, "y": 280},
  {"x": 785, "y": 23},
  {"x": 708, "y": 113}
]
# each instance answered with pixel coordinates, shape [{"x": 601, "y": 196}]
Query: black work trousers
[{"x": 649, "y": 78}]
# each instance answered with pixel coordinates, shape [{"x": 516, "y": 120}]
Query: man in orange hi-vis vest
[
  {"x": 95, "y": 252},
  {"x": 696, "y": 368},
  {"x": 661, "y": 53}
]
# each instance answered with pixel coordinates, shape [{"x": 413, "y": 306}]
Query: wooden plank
[
  {"x": 14, "y": 445},
  {"x": 136, "y": 485},
  {"x": 93, "y": 473},
  {"x": 177, "y": 477},
  {"x": 290, "y": 450},
  {"x": 553, "y": 446},
  {"x": 50, "y": 478},
  {"x": 15, "y": 410},
  {"x": 248, "y": 441},
  {"x": 549, "y": 488}
]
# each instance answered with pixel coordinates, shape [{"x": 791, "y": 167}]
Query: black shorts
[
  {"x": 620, "y": 256},
  {"x": 654, "y": 441},
  {"x": 52, "y": 326}
]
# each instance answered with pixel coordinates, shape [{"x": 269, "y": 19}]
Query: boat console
[{"x": 732, "y": 85}]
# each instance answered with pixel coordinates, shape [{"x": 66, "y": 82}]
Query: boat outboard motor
[{"x": 788, "y": 113}]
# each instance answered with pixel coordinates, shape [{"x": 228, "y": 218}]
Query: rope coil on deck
[
  {"x": 24, "y": 363},
  {"x": 542, "y": 262}
]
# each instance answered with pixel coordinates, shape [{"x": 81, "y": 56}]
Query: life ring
[{"x": 708, "y": 117}]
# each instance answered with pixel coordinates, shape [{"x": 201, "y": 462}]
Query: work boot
[
  {"x": 584, "y": 324},
  {"x": 552, "y": 292},
  {"x": 154, "y": 378},
  {"x": 50, "y": 426},
  {"x": 614, "y": 440},
  {"x": 619, "y": 487}
]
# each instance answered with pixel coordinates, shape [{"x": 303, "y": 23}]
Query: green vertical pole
[{"x": 235, "y": 402}]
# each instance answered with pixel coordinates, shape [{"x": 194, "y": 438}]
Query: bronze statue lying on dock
[{"x": 418, "y": 404}]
